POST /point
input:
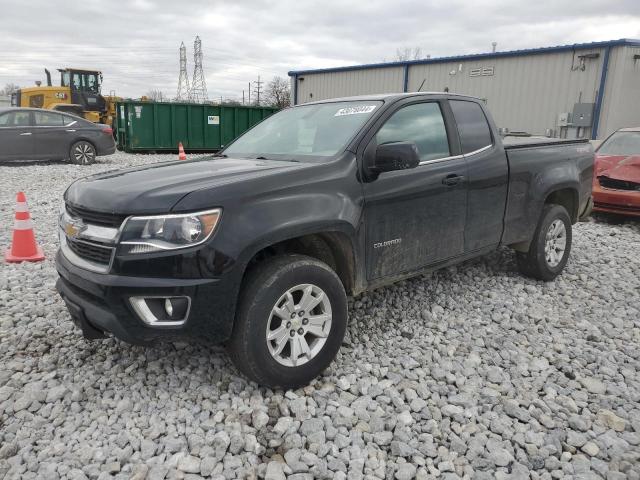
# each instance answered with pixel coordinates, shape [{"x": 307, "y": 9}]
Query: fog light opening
[{"x": 162, "y": 311}]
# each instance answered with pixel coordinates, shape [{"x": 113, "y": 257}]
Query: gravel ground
[{"x": 472, "y": 372}]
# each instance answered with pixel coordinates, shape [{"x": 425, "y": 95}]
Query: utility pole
[
  {"x": 198, "y": 92},
  {"x": 257, "y": 87},
  {"x": 249, "y": 101},
  {"x": 183, "y": 78},
  {"x": 243, "y": 96}
]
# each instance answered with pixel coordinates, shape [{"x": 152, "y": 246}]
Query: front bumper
[
  {"x": 99, "y": 304},
  {"x": 623, "y": 202}
]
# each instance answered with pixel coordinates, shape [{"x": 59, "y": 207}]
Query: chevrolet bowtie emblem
[{"x": 73, "y": 228}]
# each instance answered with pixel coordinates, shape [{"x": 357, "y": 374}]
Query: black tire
[
  {"x": 262, "y": 288},
  {"x": 82, "y": 153},
  {"x": 534, "y": 263}
]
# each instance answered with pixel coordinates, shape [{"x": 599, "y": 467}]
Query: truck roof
[{"x": 389, "y": 96}]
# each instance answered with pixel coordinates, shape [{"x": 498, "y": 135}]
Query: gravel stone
[
  {"x": 590, "y": 448},
  {"x": 611, "y": 420},
  {"x": 260, "y": 419},
  {"x": 406, "y": 471},
  {"x": 189, "y": 464},
  {"x": 469, "y": 372},
  {"x": 274, "y": 471}
]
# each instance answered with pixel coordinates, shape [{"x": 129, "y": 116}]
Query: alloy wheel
[
  {"x": 555, "y": 243},
  {"x": 83, "y": 153},
  {"x": 299, "y": 324}
]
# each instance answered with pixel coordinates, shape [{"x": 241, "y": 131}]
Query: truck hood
[
  {"x": 156, "y": 188},
  {"x": 618, "y": 167}
]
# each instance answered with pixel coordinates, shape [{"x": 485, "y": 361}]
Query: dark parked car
[
  {"x": 259, "y": 246},
  {"x": 37, "y": 134}
]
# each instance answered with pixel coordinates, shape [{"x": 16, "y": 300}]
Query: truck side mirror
[{"x": 390, "y": 157}]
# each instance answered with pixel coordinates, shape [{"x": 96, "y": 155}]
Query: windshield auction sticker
[{"x": 355, "y": 110}]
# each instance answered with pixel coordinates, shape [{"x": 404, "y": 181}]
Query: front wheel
[
  {"x": 290, "y": 323},
  {"x": 82, "y": 153},
  {"x": 550, "y": 247}
]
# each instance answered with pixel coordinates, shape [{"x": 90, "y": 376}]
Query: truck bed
[
  {"x": 512, "y": 142},
  {"x": 536, "y": 164}
]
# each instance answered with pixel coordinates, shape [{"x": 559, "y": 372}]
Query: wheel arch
[
  {"x": 333, "y": 246},
  {"x": 566, "y": 197}
]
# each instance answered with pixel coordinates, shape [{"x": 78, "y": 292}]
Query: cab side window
[
  {"x": 46, "y": 119},
  {"x": 421, "y": 123},
  {"x": 473, "y": 126},
  {"x": 4, "y": 119}
]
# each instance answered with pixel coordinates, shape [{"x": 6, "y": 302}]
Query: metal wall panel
[
  {"x": 621, "y": 107},
  {"x": 523, "y": 93},
  {"x": 320, "y": 86}
]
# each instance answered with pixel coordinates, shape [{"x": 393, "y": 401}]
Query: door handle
[
  {"x": 26, "y": 133},
  {"x": 452, "y": 179},
  {"x": 70, "y": 130}
]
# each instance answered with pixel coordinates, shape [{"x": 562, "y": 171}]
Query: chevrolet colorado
[{"x": 257, "y": 247}]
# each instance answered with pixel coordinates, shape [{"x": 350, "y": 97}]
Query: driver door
[{"x": 416, "y": 217}]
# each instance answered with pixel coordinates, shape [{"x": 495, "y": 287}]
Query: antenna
[
  {"x": 183, "y": 78},
  {"x": 198, "y": 92}
]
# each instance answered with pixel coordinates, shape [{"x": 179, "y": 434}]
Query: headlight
[{"x": 167, "y": 232}]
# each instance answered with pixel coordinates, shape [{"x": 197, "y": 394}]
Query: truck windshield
[
  {"x": 316, "y": 130},
  {"x": 621, "y": 143}
]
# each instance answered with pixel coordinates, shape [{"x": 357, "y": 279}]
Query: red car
[{"x": 616, "y": 175}]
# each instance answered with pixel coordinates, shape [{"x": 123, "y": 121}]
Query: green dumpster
[{"x": 156, "y": 126}]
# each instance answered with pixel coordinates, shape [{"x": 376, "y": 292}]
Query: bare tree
[
  {"x": 277, "y": 93},
  {"x": 156, "y": 95},
  {"x": 407, "y": 53},
  {"x": 9, "y": 89}
]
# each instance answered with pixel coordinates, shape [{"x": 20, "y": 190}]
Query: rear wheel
[
  {"x": 549, "y": 250},
  {"x": 290, "y": 322},
  {"x": 82, "y": 153}
]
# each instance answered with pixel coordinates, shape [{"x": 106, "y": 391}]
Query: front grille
[
  {"x": 607, "y": 182},
  {"x": 97, "y": 218},
  {"x": 91, "y": 251}
]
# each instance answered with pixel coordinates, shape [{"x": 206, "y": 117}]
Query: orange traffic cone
[
  {"x": 24, "y": 246},
  {"x": 181, "y": 154}
]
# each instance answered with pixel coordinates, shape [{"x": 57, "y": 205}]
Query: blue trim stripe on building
[
  {"x": 479, "y": 56},
  {"x": 405, "y": 73},
  {"x": 295, "y": 89},
  {"x": 603, "y": 83}
]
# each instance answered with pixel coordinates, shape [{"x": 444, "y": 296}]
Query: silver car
[{"x": 38, "y": 134}]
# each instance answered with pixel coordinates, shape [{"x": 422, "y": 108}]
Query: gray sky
[{"x": 135, "y": 43}]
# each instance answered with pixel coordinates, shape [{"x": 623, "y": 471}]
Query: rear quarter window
[{"x": 473, "y": 126}]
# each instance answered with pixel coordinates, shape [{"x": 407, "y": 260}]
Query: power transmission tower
[
  {"x": 198, "y": 92},
  {"x": 257, "y": 88},
  {"x": 183, "y": 78}
]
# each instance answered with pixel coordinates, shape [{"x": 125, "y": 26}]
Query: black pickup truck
[{"x": 257, "y": 247}]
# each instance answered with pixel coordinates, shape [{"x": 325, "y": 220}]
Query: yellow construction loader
[{"x": 79, "y": 93}]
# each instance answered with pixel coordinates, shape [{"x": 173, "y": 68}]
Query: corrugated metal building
[{"x": 581, "y": 90}]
